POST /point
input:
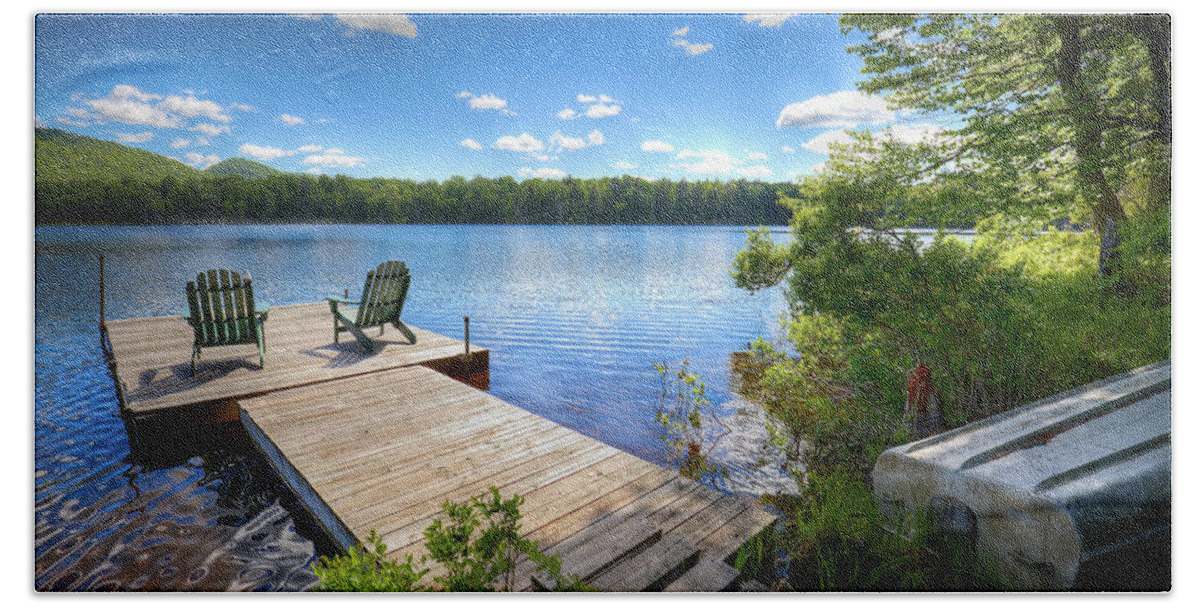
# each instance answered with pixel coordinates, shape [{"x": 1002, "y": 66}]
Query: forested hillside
[
  {"x": 242, "y": 167},
  {"x": 65, "y": 155},
  {"x": 81, "y": 180}
]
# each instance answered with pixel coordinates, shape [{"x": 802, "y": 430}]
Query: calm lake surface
[{"x": 575, "y": 317}]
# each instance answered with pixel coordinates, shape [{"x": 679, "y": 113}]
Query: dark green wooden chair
[
  {"x": 382, "y": 300},
  {"x": 222, "y": 312}
]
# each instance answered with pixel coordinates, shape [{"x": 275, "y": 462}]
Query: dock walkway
[{"x": 378, "y": 442}]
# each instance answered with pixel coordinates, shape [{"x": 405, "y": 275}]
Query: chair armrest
[
  {"x": 341, "y": 300},
  {"x": 261, "y": 308}
]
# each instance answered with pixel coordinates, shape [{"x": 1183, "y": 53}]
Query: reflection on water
[{"x": 575, "y": 317}]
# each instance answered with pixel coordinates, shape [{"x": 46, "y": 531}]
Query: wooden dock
[
  {"x": 379, "y": 442},
  {"x": 153, "y": 358}
]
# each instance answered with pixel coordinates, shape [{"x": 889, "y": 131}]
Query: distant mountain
[
  {"x": 64, "y": 156},
  {"x": 243, "y": 167}
]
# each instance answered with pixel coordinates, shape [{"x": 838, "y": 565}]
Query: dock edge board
[{"x": 324, "y": 516}]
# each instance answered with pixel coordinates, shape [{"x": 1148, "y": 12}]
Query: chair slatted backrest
[
  {"x": 383, "y": 294},
  {"x": 221, "y": 304}
]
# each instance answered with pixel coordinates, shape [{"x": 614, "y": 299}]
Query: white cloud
[
  {"x": 519, "y": 143},
  {"x": 681, "y": 31},
  {"x": 131, "y": 106},
  {"x": 181, "y": 143},
  {"x": 127, "y": 104},
  {"x": 290, "y": 120},
  {"x": 841, "y": 109},
  {"x": 201, "y": 161},
  {"x": 599, "y": 106},
  {"x": 693, "y": 48},
  {"x": 767, "y": 19},
  {"x": 705, "y": 162},
  {"x": 717, "y": 162},
  {"x": 388, "y": 23},
  {"x": 657, "y": 146},
  {"x": 542, "y": 173},
  {"x": 334, "y": 158},
  {"x": 470, "y": 143},
  {"x": 210, "y": 130},
  {"x": 601, "y": 110},
  {"x": 486, "y": 101},
  {"x": 190, "y": 107},
  {"x": 308, "y": 148},
  {"x": 264, "y": 152},
  {"x": 788, "y": 150},
  {"x": 624, "y": 164},
  {"x": 558, "y": 141},
  {"x": 756, "y": 156},
  {"x": 134, "y": 138}
]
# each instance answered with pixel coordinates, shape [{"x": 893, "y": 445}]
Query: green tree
[{"x": 1058, "y": 113}]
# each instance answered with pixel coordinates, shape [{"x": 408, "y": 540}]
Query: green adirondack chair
[
  {"x": 382, "y": 300},
  {"x": 222, "y": 312}
]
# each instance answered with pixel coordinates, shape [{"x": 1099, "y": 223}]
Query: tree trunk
[
  {"x": 1155, "y": 30},
  {"x": 1083, "y": 108}
]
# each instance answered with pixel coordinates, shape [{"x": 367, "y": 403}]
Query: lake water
[{"x": 575, "y": 317}]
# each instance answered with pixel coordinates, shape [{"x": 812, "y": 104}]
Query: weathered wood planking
[
  {"x": 153, "y": 354},
  {"x": 382, "y": 452}
]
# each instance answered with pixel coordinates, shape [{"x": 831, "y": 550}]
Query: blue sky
[{"x": 428, "y": 96}]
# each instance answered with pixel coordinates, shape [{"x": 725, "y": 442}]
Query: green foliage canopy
[{"x": 1057, "y": 113}]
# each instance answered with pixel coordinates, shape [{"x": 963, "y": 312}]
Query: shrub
[
  {"x": 368, "y": 569},
  {"x": 475, "y": 558},
  {"x": 682, "y": 411}
]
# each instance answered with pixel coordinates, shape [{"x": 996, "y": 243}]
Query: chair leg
[
  {"x": 262, "y": 347},
  {"x": 195, "y": 356},
  {"x": 412, "y": 338}
]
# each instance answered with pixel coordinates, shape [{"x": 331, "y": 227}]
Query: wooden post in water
[
  {"x": 467, "y": 336},
  {"x": 102, "y": 296}
]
